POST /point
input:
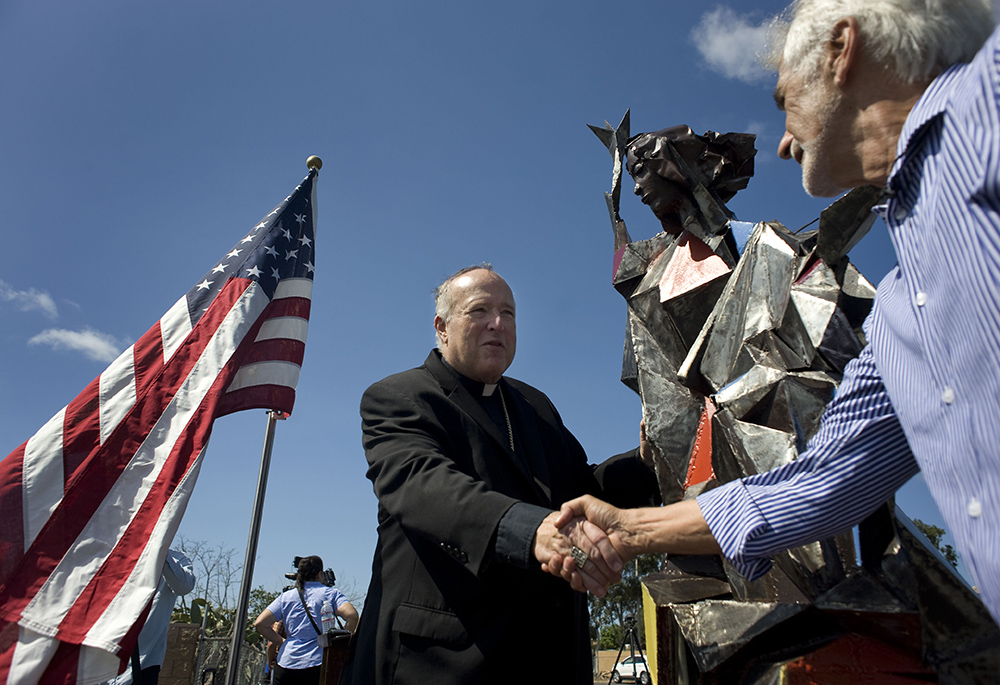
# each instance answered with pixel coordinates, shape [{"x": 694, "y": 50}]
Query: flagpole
[{"x": 240, "y": 620}]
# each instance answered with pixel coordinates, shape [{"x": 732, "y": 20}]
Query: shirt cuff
[
  {"x": 735, "y": 521},
  {"x": 516, "y": 532}
]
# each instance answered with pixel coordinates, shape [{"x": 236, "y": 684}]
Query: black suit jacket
[{"x": 441, "y": 609}]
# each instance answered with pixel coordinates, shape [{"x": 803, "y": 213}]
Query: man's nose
[
  {"x": 785, "y": 146},
  {"x": 495, "y": 320}
]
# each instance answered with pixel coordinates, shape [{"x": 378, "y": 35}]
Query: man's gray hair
[
  {"x": 444, "y": 304},
  {"x": 914, "y": 39}
]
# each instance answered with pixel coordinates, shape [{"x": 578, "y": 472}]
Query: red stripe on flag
[
  {"x": 9, "y": 633},
  {"x": 290, "y": 306},
  {"x": 148, "y": 358},
  {"x": 81, "y": 428},
  {"x": 63, "y": 666},
  {"x": 257, "y": 397},
  {"x": 129, "y": 640},
  {"x": 11, "y": 513},
  {"x": 277, "y": 349}
]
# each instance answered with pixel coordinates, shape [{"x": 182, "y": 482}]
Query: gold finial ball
[{"x": 314, "y": 162}]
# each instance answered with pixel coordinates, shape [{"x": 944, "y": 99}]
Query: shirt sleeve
[
  {"x": 856, "y": 460},
  {"x": 515, "y": 533},
  {"x": 626, "y": 481},
  {"x": 277, "y": 607},
  {"x": 178, "y": 571},
  {"x": 337, "y": 598}
]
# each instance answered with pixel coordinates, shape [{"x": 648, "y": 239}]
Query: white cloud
[
  {"x": 766, "y": 141},
  {"x": 30, "y": 299},
  {"x": 758, "y": 128},
  {"x": 730, "y": 44},
  {"x": 95, "y": 345}
]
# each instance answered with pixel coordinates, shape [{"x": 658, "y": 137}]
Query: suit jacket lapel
[
  {"x": 521, "y": 414},
  {"x": 526, "y": 421}
]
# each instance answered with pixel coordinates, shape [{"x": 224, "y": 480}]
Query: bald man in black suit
[{"x": 470, "y": 468}]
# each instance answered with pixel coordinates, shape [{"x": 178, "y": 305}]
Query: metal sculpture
[{"x": 736, "y": 340}]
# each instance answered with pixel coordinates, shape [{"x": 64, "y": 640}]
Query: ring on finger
[{"x": 579, "y": 556}]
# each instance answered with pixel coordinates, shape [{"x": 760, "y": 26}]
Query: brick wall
[{"x": 182, "y": 650}]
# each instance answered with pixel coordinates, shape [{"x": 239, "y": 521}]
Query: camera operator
[{"x": 300, "y": 655}]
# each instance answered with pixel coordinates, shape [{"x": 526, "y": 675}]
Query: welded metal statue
[{"x": 737, "y": 338}]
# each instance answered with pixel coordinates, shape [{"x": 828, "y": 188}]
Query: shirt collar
[
  {"x": 932, "y": 104},
  {"x": 475, "y": 388}
]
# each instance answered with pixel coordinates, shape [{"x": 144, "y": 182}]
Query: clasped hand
[{"x": 581, "y": 523}]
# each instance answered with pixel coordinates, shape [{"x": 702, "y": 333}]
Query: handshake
[{"x": 588, "y": 541}]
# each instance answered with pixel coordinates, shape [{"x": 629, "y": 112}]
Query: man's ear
[
  {"x": 843, "y": 49},
  {"x": 439, "y": 326}
]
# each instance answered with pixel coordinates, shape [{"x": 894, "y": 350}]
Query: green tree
[
  {"x": 218, "y": 621},
  {"x": 609, "y": 637},
  {"x": 608, "y": 614},
  {"x": 260, "y": 598},
  {"x": 935, "y": 534}
]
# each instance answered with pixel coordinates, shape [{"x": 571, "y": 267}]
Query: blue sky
[{"x": 142, "y": 140}]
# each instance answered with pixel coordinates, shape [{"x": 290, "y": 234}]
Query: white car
[{"x": 631, "y": 668}]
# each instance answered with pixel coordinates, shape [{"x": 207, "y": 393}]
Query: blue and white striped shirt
[{"x": 925, "y": 393}]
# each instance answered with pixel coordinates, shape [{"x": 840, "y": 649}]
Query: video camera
[{"x": 329, "y": 578}]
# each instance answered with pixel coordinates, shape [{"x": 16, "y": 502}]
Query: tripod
[{"x": 632, "y": 637}]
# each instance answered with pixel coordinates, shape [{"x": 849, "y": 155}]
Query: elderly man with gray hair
[{"x": 903, "y": 95}]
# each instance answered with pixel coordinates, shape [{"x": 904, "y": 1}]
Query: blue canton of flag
[
  {"x": 279, "y": 247},
  {"x": 277, "y": 255}
]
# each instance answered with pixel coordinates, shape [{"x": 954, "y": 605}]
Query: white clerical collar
[{"x": 488, "y": 389}]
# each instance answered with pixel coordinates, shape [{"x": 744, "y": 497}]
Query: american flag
[{"x": 90, "y": 503}]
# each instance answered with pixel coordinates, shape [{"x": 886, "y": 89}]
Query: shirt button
[
  {"x": 948, "y": 396},
  {"x": 975, "y": 508},
  {"x": 900, "y": 212},
  {"x": 920, "y": 298}
]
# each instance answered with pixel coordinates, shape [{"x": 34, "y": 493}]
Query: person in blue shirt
[
  {"x": 299, "y": 655},
  {"x": 903, "y": 95},
  {"x": 176, "y": 580}
]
